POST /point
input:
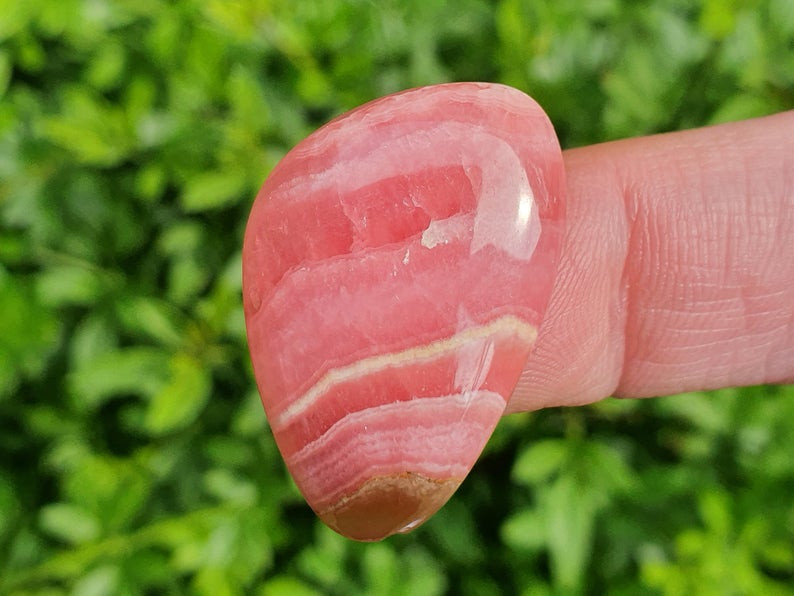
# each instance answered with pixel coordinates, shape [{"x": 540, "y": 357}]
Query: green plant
[{"x": 135, "y": 454}]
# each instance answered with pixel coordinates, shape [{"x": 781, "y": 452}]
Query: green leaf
[
  {"x": 285, "y": 585},
  {"x": 381, "y": 570},
  {"x": 29, "y": 332},
  {"x": 150, "y": 182},
  {"x": 247, "y": 99},
  {"x": 68, "y": 285},
  {"x": 95, "y": 132},
  {"x": 569, "y": 511},
  {"x": 525, "y": 530},
  {"x": 322, "y": 561},
  {"x": 214, "y": 581},
  {"x": 781, "y": 13},
  {"x": 715, "y": 511},
  {"x": 15, "y": 17},
  {"x": 229, "y": 451},
  {"x": 5, "y": 72},
  {"x": 700, "y": 409},
  {"x": 249, "y": 419},
  {"x": 99, "y": 582},
  {"x": 182, "y": 399},
  {"x": 229, "y": 487},
  {"x": 153, "y": 319},
  {"x": 93, "y": 337},
  {"x": 718, "y": 17},
  {"x": 213, "y": 190},
  {"x": 139, "y": 371},
  {"x": 604, "y": 469},
  {"x": 111, "y": 489},
  {"x": 107, "y": 66},
  {"x": 536, "y": 463},
  {"x": 456, "y": 530},
  {"x": 420, "y": 573},
  {"x": 10, "y": 507},
  {"x": 69, "y": 523},
  {"x": 743, "y": 106}
]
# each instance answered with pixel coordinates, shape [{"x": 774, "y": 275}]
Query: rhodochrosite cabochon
[{"x": 396, "y": 267}]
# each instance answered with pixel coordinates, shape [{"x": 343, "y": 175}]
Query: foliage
[{"x": 135, "y": 454}]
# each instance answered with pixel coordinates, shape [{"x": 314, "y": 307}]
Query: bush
[{"x": 135, "y": 454}]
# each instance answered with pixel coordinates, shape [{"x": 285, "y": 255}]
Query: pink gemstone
[{"x": 396, "y": 267}]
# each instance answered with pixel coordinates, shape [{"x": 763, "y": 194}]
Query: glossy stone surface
[{"x": 396, "y": 267}]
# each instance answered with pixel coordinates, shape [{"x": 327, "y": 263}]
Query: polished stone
[{"x": 396, "y": 267}]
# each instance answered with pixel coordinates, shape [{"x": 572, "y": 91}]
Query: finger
[{"x": 677, "y": 271}]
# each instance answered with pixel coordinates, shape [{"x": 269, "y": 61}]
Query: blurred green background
[{"x": 135, "y": 457}]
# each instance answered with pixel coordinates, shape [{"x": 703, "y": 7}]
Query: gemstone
[{"x": 396, "y": 267}]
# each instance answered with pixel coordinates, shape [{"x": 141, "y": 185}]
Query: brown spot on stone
[{"x": 388, "y": 505}]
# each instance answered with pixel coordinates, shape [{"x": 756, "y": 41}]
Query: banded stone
[{"x": 396, "y": 267}]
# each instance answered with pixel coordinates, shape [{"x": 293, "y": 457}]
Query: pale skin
[{"x": 677, "y": 270}]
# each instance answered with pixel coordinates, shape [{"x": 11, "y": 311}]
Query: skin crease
[{"x": 677, "y": 270}]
